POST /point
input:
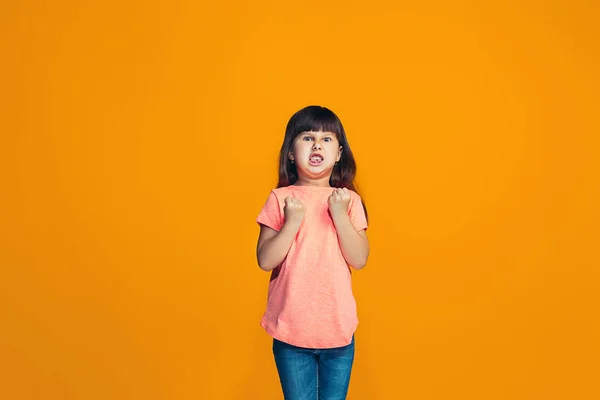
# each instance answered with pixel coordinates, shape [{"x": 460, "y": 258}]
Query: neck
[{"x": 312, "y": 182}]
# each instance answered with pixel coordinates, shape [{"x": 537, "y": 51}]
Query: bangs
[{"x": 315, "y": 118}]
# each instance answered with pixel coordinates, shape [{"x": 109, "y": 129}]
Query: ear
[
  {"x": 290, "y": 155},
  {"x": 339, "y": 156}
]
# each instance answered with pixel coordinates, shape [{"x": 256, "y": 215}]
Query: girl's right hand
[{"x": 293, "y": 209}]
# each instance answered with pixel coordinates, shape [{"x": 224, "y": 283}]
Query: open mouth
[{"x": 316, "y": 160}]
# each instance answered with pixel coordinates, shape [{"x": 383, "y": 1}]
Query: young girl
[{"x": 312, "y": 233}]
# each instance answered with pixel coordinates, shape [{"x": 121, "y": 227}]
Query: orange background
[{"x": 140, "y": 140}]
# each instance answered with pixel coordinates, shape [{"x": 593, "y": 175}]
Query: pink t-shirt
[{"x": 310, "y": 300}]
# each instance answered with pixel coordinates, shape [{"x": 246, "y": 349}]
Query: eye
[
  {"x": 328, "y": 139},
  {"x": 306, "y": 137}
]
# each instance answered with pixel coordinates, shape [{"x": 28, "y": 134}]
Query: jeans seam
[{"x": 317, "y": 379}]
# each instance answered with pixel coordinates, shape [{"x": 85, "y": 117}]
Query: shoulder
[
  {"x": 284, "y": 191},
  {"x": 353, "y": 195},
  {"x": 281, "y": 192}
]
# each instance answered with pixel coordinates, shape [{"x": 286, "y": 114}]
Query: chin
[{"x": 320, "y": 168}]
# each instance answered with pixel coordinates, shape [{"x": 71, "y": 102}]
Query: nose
[{"x": 316, "y": 145}]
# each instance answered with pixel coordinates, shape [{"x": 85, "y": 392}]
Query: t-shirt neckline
[{"x": 312, "y": 187}]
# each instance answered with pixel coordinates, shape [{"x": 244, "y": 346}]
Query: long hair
[{"x": 317, "y": 118}]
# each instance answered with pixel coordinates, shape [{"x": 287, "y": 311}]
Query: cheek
[
  {"x": 334, "y": 149},
  {"x": 303, "y": 147},
  {"x": 297, "y": 147}
]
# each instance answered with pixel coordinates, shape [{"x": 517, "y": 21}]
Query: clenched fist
[
  {"x": 339, "y": 201},
  {"x": 293, "y": 209}
]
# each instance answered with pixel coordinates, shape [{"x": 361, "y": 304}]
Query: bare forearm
[
  {"x": 355, "y": 248},
  {"x": 273, "y": 251}
]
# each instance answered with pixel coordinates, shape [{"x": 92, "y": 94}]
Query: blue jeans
[{"x": 313, "y": 374}]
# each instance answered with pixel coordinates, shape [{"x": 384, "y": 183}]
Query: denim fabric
[{"x": 313, "y": 374}]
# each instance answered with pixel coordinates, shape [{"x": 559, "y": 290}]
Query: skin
[
  {"x": 273, "y": 246},
  {"x": 307, "y": 143}
]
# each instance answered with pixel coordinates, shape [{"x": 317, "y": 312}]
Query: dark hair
[{"x": 317, "y": 118}]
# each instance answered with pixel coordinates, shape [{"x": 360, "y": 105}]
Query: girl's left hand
[{"x": 339, "y": 201}]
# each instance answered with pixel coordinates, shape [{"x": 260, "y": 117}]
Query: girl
[{"x": 312, "y": 232}]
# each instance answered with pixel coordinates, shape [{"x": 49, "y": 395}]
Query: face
[{"x": 315, "y": 154}]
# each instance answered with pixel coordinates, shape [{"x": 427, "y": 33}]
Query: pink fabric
[{"x": 310, "y": 300}]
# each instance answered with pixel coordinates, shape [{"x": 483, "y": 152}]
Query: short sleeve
[
  {"x": 357, "y": 213},
  {"x": 270, "y": 215}
]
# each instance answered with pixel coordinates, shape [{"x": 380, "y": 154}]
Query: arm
[
  {"x": 273, "y": 246},
  {"x": 354, "y": 244}
]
